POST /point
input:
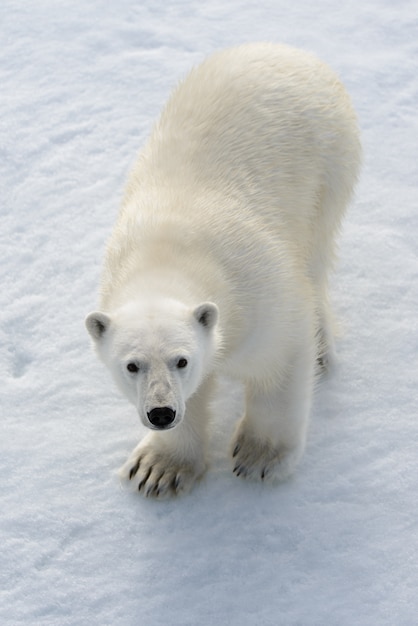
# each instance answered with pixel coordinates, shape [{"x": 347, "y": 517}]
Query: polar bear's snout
[{"x": 161, "y": 417}]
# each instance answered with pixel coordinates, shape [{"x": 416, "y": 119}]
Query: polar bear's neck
[{"x": 160, "y": 283}]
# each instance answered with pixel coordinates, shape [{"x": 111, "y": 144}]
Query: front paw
[
  {"x": 159, "y": 473},
  {"x": 260, "y": 460}
]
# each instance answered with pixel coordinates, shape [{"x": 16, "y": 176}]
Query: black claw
[
  {"x": 240, "y": 470},
  {"x": 236, "y": 450},
  {"x": 263, "y": 473},
  {"x": 156, "y": 488},
  {"x": 150, "y": 490},
  {"x": 144, "y": 480},
  {"x": 134, "y": 470},
  {"x": 176, "y": 482}
]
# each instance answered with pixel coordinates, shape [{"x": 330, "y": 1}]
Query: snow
[{"x": 337, "y": 544}]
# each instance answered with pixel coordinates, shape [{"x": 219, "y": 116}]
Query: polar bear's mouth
[{"x": 161, "y": 417}]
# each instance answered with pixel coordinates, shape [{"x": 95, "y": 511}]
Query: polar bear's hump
[
  {"x": 264, "y": 91},
  {"x": 262, "y": 120}
]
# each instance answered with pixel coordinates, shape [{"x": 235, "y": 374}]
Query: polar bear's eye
[
  {"x": 181, "y": 363},
  {"x": 132, "y": 367}
]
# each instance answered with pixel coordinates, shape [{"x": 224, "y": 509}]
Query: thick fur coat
[{"x": 220, "y": 257}]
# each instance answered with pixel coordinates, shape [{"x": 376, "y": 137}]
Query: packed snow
[{"x": 81, "y": 84}]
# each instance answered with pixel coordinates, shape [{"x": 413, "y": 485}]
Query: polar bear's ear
[
  {"x": 206, "y": 314},
  {"x": 97, "y": 324}
]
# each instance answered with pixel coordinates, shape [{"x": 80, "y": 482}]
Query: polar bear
[{"x": 219, "y": 262}]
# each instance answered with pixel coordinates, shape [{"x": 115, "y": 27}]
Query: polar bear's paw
[
  {"x": 260, "y": 460},
  {"x": 157, "y": 474}
]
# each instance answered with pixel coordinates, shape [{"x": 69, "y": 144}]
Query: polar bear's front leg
[
  {"x": 170, "y": 462},
  {"x": 270, "y": 439}
]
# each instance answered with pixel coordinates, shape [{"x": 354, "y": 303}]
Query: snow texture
[{"x": 81, "y": 83}]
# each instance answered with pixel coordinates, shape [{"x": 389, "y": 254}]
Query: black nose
[{"x": 161, "y": 417}]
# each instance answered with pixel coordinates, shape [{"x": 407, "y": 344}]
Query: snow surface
[{"x": 81, "y": 83}]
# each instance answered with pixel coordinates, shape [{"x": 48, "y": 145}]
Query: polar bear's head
[{"x": 158, "y": 354}]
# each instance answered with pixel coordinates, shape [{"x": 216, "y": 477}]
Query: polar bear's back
[
  {"x": 266, "y": 124},
  {"x": 256, "y": 118}
]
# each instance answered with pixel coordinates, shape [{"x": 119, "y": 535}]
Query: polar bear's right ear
[{"x": 97, "y": 323}]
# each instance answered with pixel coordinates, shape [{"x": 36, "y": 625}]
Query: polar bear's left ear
[
  {"x": 97, "y": 323},
  {"x": 207, "y": 314}
]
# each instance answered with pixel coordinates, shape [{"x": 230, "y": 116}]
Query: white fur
[{"x": 235, "y": 200}]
